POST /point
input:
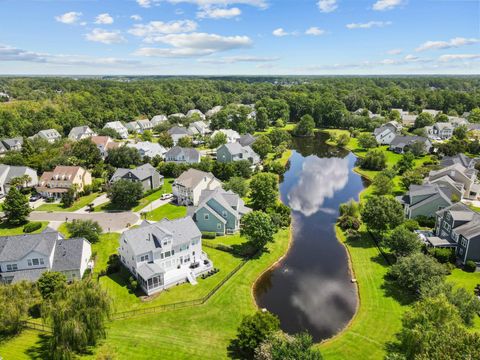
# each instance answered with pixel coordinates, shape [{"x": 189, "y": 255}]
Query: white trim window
[
  {"x": 144, "y": 258},
  {"x": 446, "y": 226},
  {"x": 12, "y": 267},
  {"x": 206, "y": 216}
]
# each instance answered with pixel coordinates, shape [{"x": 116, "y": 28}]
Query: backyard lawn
[
  {"x": 77, "y": 205},
  {"x": 6, "y": 229},
  {"x": 169, "y": 211}
]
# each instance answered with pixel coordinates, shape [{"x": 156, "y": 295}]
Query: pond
[{"x": 311, "y": 289}]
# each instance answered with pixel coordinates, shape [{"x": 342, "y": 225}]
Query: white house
[
  {"x": 147, "y": 148},
  {"x": 158, "y": 119},
  {"x": 118, "y": 127},
  {"x": 183, "y": 155},
  {"x": 213, "y": 111},
  {"x": 188, "y": 187},
  {"x": 199, "y": 128},
  {"x": 193, "y": 112},
  {"x": 7, "y": 173},
  {"x": 387, "y": 132},
  {"x": 164, "y": 254},
  {"x": 26, "y": 257},
  {"x": 178, "y": 132},
  {"x": 81, "y": 132},
  {"x": 440, "y": 130},
  {"x": 51, "y": 135},
  {"x": 133, "y": 127},
  {"x": 232, "y": 135}
]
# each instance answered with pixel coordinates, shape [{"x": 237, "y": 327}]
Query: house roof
[
  {"x": 15, "y": 248},
  {"x": 116, "y": 125},
  {"x": 106, "y": 141},
  {"x": 401, "y": 141},
  {"x": 192, "y": 177},
  {"x": 227, "y": 199},
  {"x": 247, "y": 139},
  {"x": 158, "y": 119},
  {"x": 147, "y": 270},
  {"x": 179, "y": 130},
  {"x": 236, "y": 149},
  {"x": 49, "y": 134},
  {"x": 7, "y": 172},
  {"x": 149, "y": 148},
  {"x": 190, "y": 154},
  {"x": 13, "y": 142},
  {"x": 68, "y": 254},
  {"x": 65, "y": 173},
  {"x": 231, "y": 134},
  {"x": 142, "y": 172},
  {"x": 462, "y": 159},
  {"x": 149, "y": 237},
  {"x": 144, "y": 123},
  {"x": 78, "y": 131},
  {"x": 213, "y": 110}
]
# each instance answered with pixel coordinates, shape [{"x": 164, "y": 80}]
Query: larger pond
[{"x": 311, "y": 289}]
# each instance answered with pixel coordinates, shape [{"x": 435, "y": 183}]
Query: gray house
[
  {"x": 178, "y": 154},
  {"x": 178, "y": 132},
  {"x": 425, "y": 200},
  {"x": 51, "y": 135},
  {"x": 219, "y": 211},
  {"x": 247, "y": 140},
  {"x": 235, "y": 152},
  {"x": 26, "y": 257},
  {"x": 158, "y": 119},
  {"x": 164, "y": 254},
  {"x": 401, "y": 144},
  {"x": 13, "y": 144},
  {"x": 146, "y": 174},
  {"x": 440, "y": 130},
  {"x": 458, "y": 226},
  {"x": 7, "y": 173},
  {"x": 81, "y": 132},
  {"x": 460, "y": 180},
  {"x": 461, "y": 159}
]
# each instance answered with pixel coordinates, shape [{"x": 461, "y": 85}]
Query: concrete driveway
[{"x": 110, "y": 222}]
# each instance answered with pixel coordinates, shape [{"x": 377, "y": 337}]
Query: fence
[
  {"x": 37, "y": 326},
  {"x": 178, "y": 305}
]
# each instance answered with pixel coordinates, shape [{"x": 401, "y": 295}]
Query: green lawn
[
  {"x": 77, "y": 205},
  {"x": 6, "y": 229},
  {"x": 169, "y": 211}
]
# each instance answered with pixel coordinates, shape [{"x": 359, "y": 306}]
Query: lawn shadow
[
  {"x": 391, "y": 289},
  {"x": 41, "y": 349}
]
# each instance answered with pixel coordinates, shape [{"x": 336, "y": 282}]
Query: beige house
[{"x": 54, "y": 183}]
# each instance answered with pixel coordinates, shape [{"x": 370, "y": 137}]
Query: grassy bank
[{"x": 77, "y": 205}]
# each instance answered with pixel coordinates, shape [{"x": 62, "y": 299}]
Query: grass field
[
  {"x": 169, "y": 211},
  {"x": 77, "y": 205},
  {"x": 6, "y": 229}
]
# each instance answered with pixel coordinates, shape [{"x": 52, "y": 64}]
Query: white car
[{"x": 166, "y": 196}]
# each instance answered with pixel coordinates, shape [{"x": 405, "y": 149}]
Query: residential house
[
  {"x": 147, "y": 148},
  {"x": 232, "y": 135},
  {"x": 51, "y": 135},
  {"x": 133, "y": 127},
  {"x": 81, "y": 132},
  {"x": 118, "y": 127},
  {"x": 176, "y": 116},
  {"x": 387, "y": 132},
  {"x": 247, "y": 140},
  {"x": 104, "y": 143},
  {"x": 400, "y": 111},
  {"x": 158, "y": 119},
  {"x": 199, "y": 128},
  {"x": 144, "y": 125},
  {"x": 178, "y": 132},
  {"x": 461, "y": 180},
  {"x": 364, "y": 112},
  {"x": 235, "y": 152},
  {"x": 188, "y": 187},
  {"x": 3, "y": 148},
  {"x": 146, "y": 174},
  {"x": 182, "y": 155},
  {"x": 195, "y": 112},
  {"x": 219, "y": 211},
  {"x": 164, "y": 254},
  {"x": 440, "y": 130},
  {"x": 458, "y": 226},
  {"x": 27, "y": 256},
  {"x": 425, "y": 200},
  {"x": 12, "y": 144},
  {"x": 401, "y": 144},
  {"x": 213, "y": 111},
  {"x": 7, "y": 173},
  {"x": 458, "y": 121},
  {"x": 53, "y": 184},
  {"x": 431, "y": 112},
  {"x": 461, "y": 159}
]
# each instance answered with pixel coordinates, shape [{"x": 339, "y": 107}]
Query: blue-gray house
[{"x": 218, "y": 211}]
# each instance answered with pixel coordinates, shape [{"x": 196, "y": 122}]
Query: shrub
[
  {"x": 113, "y": 264},
  {"x": 132, "y": 284},
  {"x": 443, "y": 255},
  {"x": 348, "y": 222},
  {"x": 411, "y": 224},
  {"x": 208, "y": 235},
  {"x": 470, "y": 266},
  {"x": 425, "y": 221},
  {"x": 31, "y": 227}
]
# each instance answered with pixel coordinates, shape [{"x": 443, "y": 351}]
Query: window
[
  {"x": 167, "y": 254},
  {"x": 41, "y": 262},
  {"x": 12, "y": 267},
  {"x": 35, "y": 262},
  {"x": 144, "y": 258},
  {"x": 29, "y": 262},
  {"x": 464, "y": 242},
  {"x": 219, "y": 226},
  {"x": 446, "y": 226},
  {"x": 206, "y": 216},
  {"x": 224, "y": 213}
]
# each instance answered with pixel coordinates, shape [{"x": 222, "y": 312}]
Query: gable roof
[
  {"x": 458, "y": 159},
  {"x": 8, "y": 172},
  {"x": 142, "y": 172},
  {"x": 179, "y": 130},
  {"x": 14, "y": 248},
  {"x": 13, "y": 142},
  {"x": 78, "y": 131},
  {"x": 49, "y": 134},
  {"x": 402, "y": 141},
  {"x": 227, "y": 199},
  {"x": 247, "y": 140},
  {"x": 190, "y": 154},
  {"x": 192, "y": 177}
]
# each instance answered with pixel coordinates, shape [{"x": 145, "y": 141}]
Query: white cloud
[
  {"x": 280, "y": 32},
  {"x": 69, "y": 18},
  {"x": 368, "y": 25},
  {"x": 239, "y": 59},
  {"x": 218, "y": 13},
  {"x": 327, "y": 6},
  {"x": 136, "y": 17},
  {"x": 8, "y": 53},
  {"x": 104, "y": 19},
  {"x": 157, "y": 28},
  {"x": 194, "y": 44},
  {"x": 452, "y": 43},
  {"x": 382, "y": 5},
  {"x": 144, "y": 3},
  {"x": 314, "y": 31},
  {"x": 104, "y": 36},
  {"x": 458, "y": 57},
  {"x": 394, "y": 51}
]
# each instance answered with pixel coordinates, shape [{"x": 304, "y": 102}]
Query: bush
[
  {"x": 132, "y": 284},
  {"x": 113, "y": 264},
  {"x": 208, "y": 235},
  {"x": 348, "y": 222},
  {"x": 443, "y": 255},
  {"x": 425, "y": 221},
  {"x": 470, "y": 266},
  {"x": 31, "y": 227}
]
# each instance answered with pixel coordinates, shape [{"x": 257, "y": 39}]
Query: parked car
[
  {"x": 166, "y": 196},
  {"x": 35, "y": 197}
]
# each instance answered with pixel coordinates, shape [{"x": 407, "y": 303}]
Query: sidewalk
[{"x": 102, "y": 199}]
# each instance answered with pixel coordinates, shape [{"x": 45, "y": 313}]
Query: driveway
[
  {"x": 154, "y": 204},
  {"x": 110, "y": 222},
  {"x": 102, "y": 199}
]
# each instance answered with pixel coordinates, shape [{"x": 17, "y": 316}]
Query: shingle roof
[
  {"x": 190, "y": 154},
  {"x": 247, "y": 139},
  {"x": 68, "y": 254},
  {"x": 14, "y": 248},
  {"x": 401, "y": 140},
  {"x": 78, "y": 131},
  {"x": 178, "y": 130},
  {"x": 142, "y": 172},
  {"x": 192, "y": 177},
  {"x": 13, "y": 142}
]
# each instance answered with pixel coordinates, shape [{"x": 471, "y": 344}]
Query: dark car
[{"x": 34, "y": 198}]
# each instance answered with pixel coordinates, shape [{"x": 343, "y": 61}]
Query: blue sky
[{"x": 221, "y": 37}]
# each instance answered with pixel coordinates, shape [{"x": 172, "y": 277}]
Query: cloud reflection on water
[{"x": 319, "y": 179}]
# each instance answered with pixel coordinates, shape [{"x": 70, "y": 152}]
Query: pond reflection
[{"x": 310, "y": 290}]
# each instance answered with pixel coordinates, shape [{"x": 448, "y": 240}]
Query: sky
[{"x": 239, "y": 37}]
